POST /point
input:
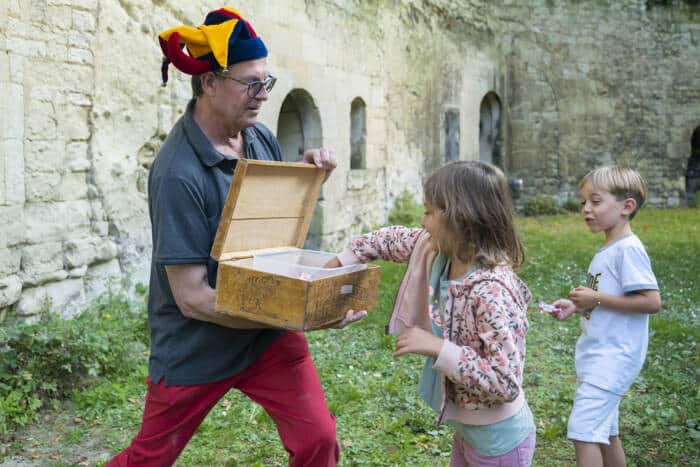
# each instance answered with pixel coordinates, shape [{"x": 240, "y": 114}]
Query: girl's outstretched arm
[{"x": 394, "y": 243}]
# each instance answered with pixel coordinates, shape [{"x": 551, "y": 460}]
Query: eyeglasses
[{"x": 253, "y": 87}]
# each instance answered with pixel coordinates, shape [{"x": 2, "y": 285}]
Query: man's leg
[
  {"x": 284, "y": 381},
  {"x": 170, "y": 417}
]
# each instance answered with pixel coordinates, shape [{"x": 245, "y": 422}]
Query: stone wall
[{"x": 83, "y": 113}]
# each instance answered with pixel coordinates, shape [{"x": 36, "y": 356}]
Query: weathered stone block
[
  {"x": 40, "y": 156},
  {"x": 84, "y": 21},
  {"x": 42, "y": 186},
  {"x": 80, "y": 40},
  {"x": 74, "y": 123},
  {"x": 73, "y": 187},
  {"x": 77, "y": 157},
  {"x": 10, "y": 261},
  {"x": 56, "y": 221},
  {"x": 79, "y": 99},
  {"x": 101, "y": 277},
  {"x": 11, "y": 172},
  {"x": 27, "y": 47},
  {"x": 41, "y": 121},
  {"x": 11, "y": 227},
  {"x": 82, "y": 4},
  {"x": 60, "y": 16},
  {"x": 4, "y": 67},
  {"x": 12, "y": 111},
  {"x": 65, "y": 297},
  {"x": 78, "y": 272},
  {"x": 10, "y": 290},
  {"x": 80, "y": 56},
  {"x": 57, "y": 52},
  {"x": 42, "y": 262},
  {"x": 87, "y": 251}
]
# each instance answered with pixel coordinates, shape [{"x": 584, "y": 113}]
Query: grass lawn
[{"x": 381, "y": 420}]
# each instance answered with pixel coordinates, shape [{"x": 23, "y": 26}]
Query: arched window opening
[
  {"x": 490, "y": 130},
  {"x": 298, "y": 126},
  {"x": 452, "y": 135},
  {"x": 358, "y": 134}
]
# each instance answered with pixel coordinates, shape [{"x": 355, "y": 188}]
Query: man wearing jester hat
[{"x": 197, "y": 354}]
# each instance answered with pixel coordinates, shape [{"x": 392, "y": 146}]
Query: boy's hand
[
  {"x": 565, "y": 308},
  {"x": 334, "y": 263},
  {"x": 584, "y": 298},
  {"x": 418, "y": 341}
]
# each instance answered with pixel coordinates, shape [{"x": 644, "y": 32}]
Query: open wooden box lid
[{"x": 269, "y": 207}]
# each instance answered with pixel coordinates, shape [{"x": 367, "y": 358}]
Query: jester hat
[{"x": 225, "y": 38}]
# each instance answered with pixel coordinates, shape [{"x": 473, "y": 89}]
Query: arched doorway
[
  {"x": 490, "y": 130},
  {"x": 692, "y": 173},
  {"x": 298, "y": 129}
]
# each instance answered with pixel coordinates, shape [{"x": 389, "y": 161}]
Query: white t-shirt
[{"x": 613, "y": 344}]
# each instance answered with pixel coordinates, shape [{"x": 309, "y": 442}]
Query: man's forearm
[{"x": 197, "y": 300}]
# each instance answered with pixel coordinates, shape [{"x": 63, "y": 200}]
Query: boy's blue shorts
[{"x": 594, "y": 418}]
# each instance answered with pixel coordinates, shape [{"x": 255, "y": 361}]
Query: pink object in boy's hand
[{"x": 547, "y": 308}]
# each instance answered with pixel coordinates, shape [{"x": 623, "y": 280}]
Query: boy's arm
[{"x": 638, "y": 301}]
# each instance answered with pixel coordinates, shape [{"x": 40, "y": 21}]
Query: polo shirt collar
[{"x": 201, "y": 144}]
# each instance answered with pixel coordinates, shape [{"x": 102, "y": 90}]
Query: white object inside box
[{"x": 301, "y": 264}]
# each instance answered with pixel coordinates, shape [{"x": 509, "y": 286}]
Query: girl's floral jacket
[{"x": 485, "y": 323}]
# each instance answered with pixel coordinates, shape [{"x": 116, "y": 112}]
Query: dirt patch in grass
[{"x": 62, "y": 438}]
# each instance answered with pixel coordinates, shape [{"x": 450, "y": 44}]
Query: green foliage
[
  {"x": 44, "y": 362},
  {"x": 572, "y": 205},
  {"x": 381, "y": 421},
  {"x": 406, "y": 211},
  {"x": 541, "y": 205}
]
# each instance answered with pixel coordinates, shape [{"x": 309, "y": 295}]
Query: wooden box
[{"x": 268, "y": 209}]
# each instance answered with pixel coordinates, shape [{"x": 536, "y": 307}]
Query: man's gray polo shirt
[{"x": 187, "y": 189}]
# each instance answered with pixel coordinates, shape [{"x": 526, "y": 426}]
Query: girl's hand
[
  {"x": 584, "y": 298},
  {"x": 418, "y": 341},
  {"x": 334, "y": 263},
  {"x": 565, "y": 308}
]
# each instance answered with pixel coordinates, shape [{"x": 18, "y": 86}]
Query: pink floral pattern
[{"x": 486, "y": 316}]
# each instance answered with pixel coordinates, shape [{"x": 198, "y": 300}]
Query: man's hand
[
  {"x": 418, "y": 341},
  {"x": 323, "y": 158},
  {"x": 565, "y": 308},
  {"x": 350, "y": 317}
]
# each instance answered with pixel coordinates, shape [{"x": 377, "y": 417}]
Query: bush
[
  {"x": 406, "y": 211},
  {"x": 572, "y": 205},
  {"x": 43, "y": 362},
  {"x": 541, "y": 205}
]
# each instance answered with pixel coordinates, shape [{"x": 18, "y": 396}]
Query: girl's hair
[
  {"x": 621, "y": 182},
  {"x": 475, "y": 202}
]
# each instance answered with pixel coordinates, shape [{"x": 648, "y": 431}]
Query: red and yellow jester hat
[{"x": 225, "y": 38}]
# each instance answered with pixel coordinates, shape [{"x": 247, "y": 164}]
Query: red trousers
[{"x": 283, "y": 380}]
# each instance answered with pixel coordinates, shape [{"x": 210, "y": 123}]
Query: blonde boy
[{"x": 620, "y": 293}]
